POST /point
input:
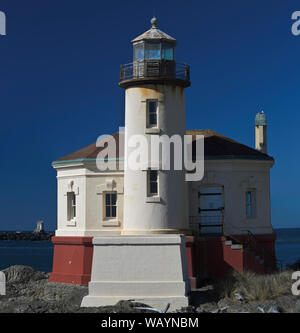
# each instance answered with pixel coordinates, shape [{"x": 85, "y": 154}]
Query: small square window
[
  {"x": 110, "y": 205},
  {"x": 152, "y": 113},
  {"x": 152, "y": 183}
]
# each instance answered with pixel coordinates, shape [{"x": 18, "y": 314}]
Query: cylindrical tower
[
  {"x": 155, "y": 200},
  {"x": 261, "y": 132}
]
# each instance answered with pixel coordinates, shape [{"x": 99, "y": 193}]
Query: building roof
[
  {"x": 216, "y": 146},
  {"x": 154, "y": 33}
]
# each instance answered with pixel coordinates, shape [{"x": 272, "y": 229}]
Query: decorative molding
[
  {"x": 251, "y": 182},
  {"x": 153, "y": 199},
  {"x": 71, "y": 188},
  {"x": 110, "y": 223},
  {"x": 110, "y": 185},
  {"x": 152, "y": 131},
  {"x": 71, "y": 223}
]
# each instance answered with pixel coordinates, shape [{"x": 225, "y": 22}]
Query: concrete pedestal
[{"x": 150, "y": 269}]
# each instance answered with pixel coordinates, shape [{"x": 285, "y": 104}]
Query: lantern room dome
[{"x": 154, "y": 34}]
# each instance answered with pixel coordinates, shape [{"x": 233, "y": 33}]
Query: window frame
[
  {"x": 71, "y": 206},
  {"x": 250, "y": 204},
  {"x": 149, "y": 181},
  {"x": 110, "y": 218},
  {"x": 150, "y": 125}
]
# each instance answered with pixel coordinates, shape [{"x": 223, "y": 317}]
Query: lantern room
[
  {"x": 154, "y": 45},
  {"x": 154, "y": 59}
]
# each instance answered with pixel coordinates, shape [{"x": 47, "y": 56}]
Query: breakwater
[{"x": 26, "y": 235}]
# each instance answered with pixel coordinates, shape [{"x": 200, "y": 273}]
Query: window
[
  {"x": 71, "y": 198},
  {"x": 152, "y": 183},
  {"x": 167, "y": 52},
  {"x": 111, "y": 205},
  {"x": 152, "y": 113},
  {"x": 250, "y": 204},
  {"x": 152, "y": 51},
  {"x": 138, "y": 52}
]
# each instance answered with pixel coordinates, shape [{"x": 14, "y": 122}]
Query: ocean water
[
  {"x": 39, "y": 254},
  {"x": 288, "y": 245}
]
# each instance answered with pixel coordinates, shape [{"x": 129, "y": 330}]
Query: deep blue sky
[{"x": 59, "y": 89}]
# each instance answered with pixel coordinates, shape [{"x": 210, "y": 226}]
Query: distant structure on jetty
[
  {"x": 39, "y": 226},
  {"x": 39, "y": 234}
]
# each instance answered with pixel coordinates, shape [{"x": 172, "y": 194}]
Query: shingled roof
[{"x": 216, "y": 146}]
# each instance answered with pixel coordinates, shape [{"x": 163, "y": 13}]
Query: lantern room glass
[
  {"x": 138, "y": 52},
  {"x": 153, "y": 51}
]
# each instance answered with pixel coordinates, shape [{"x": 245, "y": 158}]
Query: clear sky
[{"x": 59, "y": 89}]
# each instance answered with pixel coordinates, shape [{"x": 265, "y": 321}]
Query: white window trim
[
  {"x": 152, "y": 129},
  {"x": 75, "y": 189},
  {"x": 148, "y": 197},
  {"x": 107, "y": 218},
  {"x": 109, "y": 186}
]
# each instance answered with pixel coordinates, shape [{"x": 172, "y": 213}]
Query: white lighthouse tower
[
  {"x": 147, "y": 262},
  {"x": 155, "y": 200}
]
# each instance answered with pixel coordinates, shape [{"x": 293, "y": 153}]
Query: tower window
[
  {"x": 111, "y": 205},
  {"x": 152, "y": 51},
  {"x": 152, "y": 113},
  {"x": 250, "y": 204},
  {"x": 152, "y": 182},
  {"x": 71, "y": 198}
]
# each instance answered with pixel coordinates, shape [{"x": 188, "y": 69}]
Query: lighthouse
[
  {"x": 155, "y": 200},
  {"x": 147, "y": 261}
]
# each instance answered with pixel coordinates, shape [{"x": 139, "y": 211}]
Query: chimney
[{"x": 261, "y": 132}]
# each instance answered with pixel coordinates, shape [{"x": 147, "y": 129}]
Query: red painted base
[
  {"x": 210, "y": 257},
  {"x": 72, "y": 260},
  {"x": 207, "y": 257}
]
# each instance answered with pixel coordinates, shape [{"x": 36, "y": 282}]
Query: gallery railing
[{"x": 157, "y": 69}]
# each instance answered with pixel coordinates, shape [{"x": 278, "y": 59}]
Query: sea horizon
[{"x": 39, "y": 254}]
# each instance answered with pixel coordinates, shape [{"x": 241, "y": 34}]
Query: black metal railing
[
  {"x": 154, "y": 69},
  {"x": 271, "y": 263},
  {"x": 270, "y": 260}
]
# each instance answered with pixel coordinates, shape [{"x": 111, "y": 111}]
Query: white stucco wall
[
  {"x": 169, "y": 212},
  {"x": 89, "y": 186},
  {"x": 237, "y": 177}
]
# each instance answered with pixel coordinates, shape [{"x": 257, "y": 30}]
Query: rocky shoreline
[
  {"x": 29, "y": 291},
  {"x": 25, "y": 236}
]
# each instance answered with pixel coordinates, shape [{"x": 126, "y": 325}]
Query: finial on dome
[{"x": 154, "y": 22}]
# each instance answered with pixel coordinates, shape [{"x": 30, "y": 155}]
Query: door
[{"x": 211, "y": 210}]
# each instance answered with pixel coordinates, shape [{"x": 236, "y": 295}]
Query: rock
[
  {"x": 225, "y": 302},
  {"x": 188, "y": 309},
  {"x": 239, "y": 297},
  {"x": 23, "y": 274},
  {"x": 29, "y": 291},
  {"x": 274, "y": 309}
]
